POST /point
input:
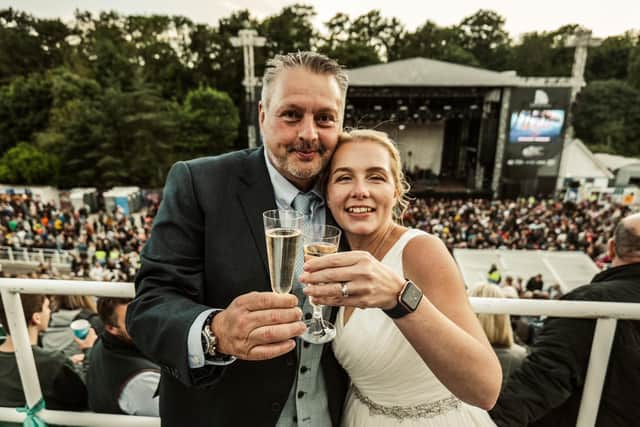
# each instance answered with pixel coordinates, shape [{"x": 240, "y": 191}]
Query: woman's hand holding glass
[
  {"x": 366, "y": 282},
  {"x": 319, "y": 240}
]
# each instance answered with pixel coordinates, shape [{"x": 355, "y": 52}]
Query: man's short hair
[
  {"x": 107, "y": 307},
  {"x": 311, "y": 61},
  {"x": 31, "y": 304},
  {"x": 626, "y": 240}
]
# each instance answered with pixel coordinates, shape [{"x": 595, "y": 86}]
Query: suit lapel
[{"x": 256, "y": 196}]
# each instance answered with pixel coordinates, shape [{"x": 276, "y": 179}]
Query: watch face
[{"x": 411, "y": 296}]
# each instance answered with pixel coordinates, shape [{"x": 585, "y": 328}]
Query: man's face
[
  {"x": 43, "y": 316},
  {"x": 301, "y": 124}
]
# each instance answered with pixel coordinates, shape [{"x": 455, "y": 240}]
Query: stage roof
[
  {"x": 571, "y": 268},
  {"x": 422, "y": 72}
]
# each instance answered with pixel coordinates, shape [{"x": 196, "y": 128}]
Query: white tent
[
  {"x": 580, "y": 164},
  {"x": 626, "y": 169}
]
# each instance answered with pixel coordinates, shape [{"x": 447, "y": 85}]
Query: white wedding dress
[{"x": 390, "y": 384}]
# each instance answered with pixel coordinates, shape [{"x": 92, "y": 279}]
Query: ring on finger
[{"x": 345, "y": 289}]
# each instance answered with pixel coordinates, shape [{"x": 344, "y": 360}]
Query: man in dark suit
[{"x": 204, "y": 310}]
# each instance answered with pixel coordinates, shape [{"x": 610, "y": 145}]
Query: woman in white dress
[{"x": 426, "y": 361}]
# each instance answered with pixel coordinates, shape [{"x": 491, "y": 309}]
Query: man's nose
[{"x": 308, "y": 130}]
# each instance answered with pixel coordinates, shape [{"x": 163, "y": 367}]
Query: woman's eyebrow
[{"x": 341, "y": 169}]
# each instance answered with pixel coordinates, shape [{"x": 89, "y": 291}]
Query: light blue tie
[{"x": 302, "y": 203}]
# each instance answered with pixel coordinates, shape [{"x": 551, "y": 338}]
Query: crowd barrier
[
  {"x": 10, "y": 289},
  {"x": 35, "y": 256}
]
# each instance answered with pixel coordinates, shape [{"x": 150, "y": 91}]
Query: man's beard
[{"x": 308, "y": 171}]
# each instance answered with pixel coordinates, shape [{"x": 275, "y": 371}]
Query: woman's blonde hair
[
  {"x": 497, "y": 327},
  {"x": 73, "y": 302},
  {"x": 399, "y": 180}
]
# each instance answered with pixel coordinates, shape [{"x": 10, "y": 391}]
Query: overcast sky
[{"x": 604, "y": 17}]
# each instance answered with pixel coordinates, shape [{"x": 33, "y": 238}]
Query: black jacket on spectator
[
  {"x": 113, "y": 362},
  {"x": 62, "y": 388},
  {"x": 547, "y": 389}
]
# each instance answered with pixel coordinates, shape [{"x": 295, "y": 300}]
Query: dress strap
[
  {"x": 398, "y": 247},
  {"x": 424, "y": 410}
]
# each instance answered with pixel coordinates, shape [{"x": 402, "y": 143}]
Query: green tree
[
  {"x": 107, "y": 137},
  {"x": 347, "y": 43},
  {"x": 209, "y": 123},
  {"x": 435, "y": 42},
  {"x": 107, "y": 52},
  {"x": 633, "y": 72},
  {"x": 158, "y": 42},
  {"x": 385, "y": 35},
  {"x": 543, "y": 53},
  {"x": 610, "y": 60},
  {"x": 24, "y": 109},
  {"x": 483, "y": 35},
  {"x": 289, "y": 31},
  {"x": 30, "y": 45},
  {"x": 25, "y": 164},
  {"x": 608, "y": 113}
]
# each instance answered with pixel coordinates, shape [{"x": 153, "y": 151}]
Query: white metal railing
[
  {"x": 35, "y": 255},
  {"x": 11, "y": 290},
  {"x": 607, "y": 314}
]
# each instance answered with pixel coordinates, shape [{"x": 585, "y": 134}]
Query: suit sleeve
[
  {"x": 170, "y": 283},
  {"x": 553, "y": 371}
]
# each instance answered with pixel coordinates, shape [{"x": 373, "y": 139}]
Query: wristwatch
[
  {"x": 209, "y": 341},
  {"x": 408, "y": 300}
]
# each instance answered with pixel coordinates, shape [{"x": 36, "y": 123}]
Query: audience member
[
  {"x": 535, "y": 283},
  {"x": 66, "y": 309},
  {"x": 494, "y": 276},
  {"x": 547, "y": 389},
  {"x": 497, "y": 327},
  {"x": 120, "y": 380},
  {"x": 509, "y": 289},
  {"x": 62, "y": 388}
]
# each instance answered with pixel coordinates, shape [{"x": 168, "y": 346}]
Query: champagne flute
[
  {"x": 283, "y": 232},
  {"x": 319, "y": 240}
]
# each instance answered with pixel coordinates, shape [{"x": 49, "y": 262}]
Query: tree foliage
[
  {"x": 483, "y": 35},
  {"x": 25, "y": 164},
  {"x": 209, "y": 123},
  {"x": 633, "y": 70},
  {"x": 24, "y": 109},
  {"x": 544, "y": 53},
  {"x": 607, "y": 113},
  {"x": 115, "y": 99},
  {"x": 610, "y": 60}
]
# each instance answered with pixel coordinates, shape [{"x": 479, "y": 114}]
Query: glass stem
[{"x": 317, "y": 312}]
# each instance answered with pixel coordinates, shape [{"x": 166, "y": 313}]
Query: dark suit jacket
[{"x": 206, "y": 248}]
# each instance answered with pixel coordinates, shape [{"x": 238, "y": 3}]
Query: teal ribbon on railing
[{"x": 32, "y": 419}]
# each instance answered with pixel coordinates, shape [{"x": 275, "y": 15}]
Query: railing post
[
  {"x": 10, "y": 253},
  {"x": 597, "y": 371},
  {"x": 25, "y": 255},
  {"x": 42, "y": 256},
  {"x": 22, "y": 345}
]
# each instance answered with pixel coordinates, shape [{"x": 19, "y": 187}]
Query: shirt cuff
[{"x": 197, "y": 358}]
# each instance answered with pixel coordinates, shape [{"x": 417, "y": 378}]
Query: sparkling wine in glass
[
  {"x": 283, "y": 233},
  {"x": 319, "y": 240}
]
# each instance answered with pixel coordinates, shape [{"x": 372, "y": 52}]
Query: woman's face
[{"x": 361, "y": 192}]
